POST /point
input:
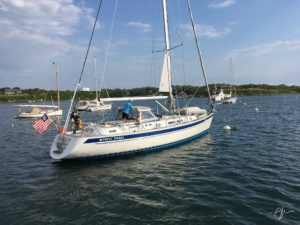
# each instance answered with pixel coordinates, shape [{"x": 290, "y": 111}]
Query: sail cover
[{"x": 164, "y": 80}]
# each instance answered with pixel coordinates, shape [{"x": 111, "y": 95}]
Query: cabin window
[
  {"x": 147, "y": 115},
  {"x": 112, "y": 131}
]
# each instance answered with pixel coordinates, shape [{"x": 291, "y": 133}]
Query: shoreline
[{"x": 41, "y": 95}]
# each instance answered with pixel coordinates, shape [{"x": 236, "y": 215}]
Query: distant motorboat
[
  {"x": 231, "y": 100},
  {"x": 82, "y": 105},
  {"x": 93, "y": 105},
  {"x": 37, "y": 111},
  {"x": 98, "y": 105}
]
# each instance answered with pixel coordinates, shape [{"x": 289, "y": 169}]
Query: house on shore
[{"x": 12, "y": 91}]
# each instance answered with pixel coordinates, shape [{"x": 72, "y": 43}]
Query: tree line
[{"x": 36, "y": 94}]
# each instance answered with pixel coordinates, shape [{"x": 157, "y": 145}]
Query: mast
[
  {"x": 199, "y": 53},
  {"x": 96, "y": 78},
  {"x": 57, "y": 86},
  {"x": 230, "y": 79},
  {"x": 167, "y": 60}
]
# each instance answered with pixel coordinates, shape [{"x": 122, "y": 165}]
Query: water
[{"x": 249, "y": 175}]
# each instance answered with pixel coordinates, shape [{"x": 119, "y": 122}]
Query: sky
[{"x": 39, "y": 37}]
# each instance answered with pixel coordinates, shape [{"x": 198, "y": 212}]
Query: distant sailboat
[
  {"x": 94, "y": 105},
  {"x": 145, "y": 131},
  {"x": 230, "y": 99},
  {"x": 218, "y": 96},
  {"x": 37, "y": 111}
]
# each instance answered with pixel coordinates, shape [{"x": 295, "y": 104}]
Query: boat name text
[{"x": 111, "y": 139}]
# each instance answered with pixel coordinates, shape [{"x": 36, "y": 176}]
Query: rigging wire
[
  {"x": 107, "y": 53},
  {"x": 105, "y": 87},
  {"x": 83, "y": 66},
  {"x": 109, "y": 40},
  {"x": 177, "y": 20},
  {"x": 153, "y": 35},
  {"x": 199, "y": 52},
  {"x": 182, "y": 49},
  {"x": 179, "y": 36},
  {"x": 90, "y": 42}
]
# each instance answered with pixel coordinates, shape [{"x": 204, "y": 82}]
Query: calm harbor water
[{"x": 249, "y": 175}]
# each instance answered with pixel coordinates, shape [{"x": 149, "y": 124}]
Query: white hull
[
  {"x": 219, "y": 97},
  {"x": 230, "y": 100},
  {"x": 99, "y": 108},
  {"x": 81, "y": 108},
  {"x": 93, "y": 106},
  {"x": 71, "y": 146},
  {"x": 40, "y": 114},
  {"x": 141, "y": 132}
]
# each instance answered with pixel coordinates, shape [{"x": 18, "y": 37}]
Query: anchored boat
[
  {"x": 145, "y": 130},
  {"x": 37, "y": 111}
]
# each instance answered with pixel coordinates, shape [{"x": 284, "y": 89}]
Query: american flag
[{"x": 42, "y": 123}]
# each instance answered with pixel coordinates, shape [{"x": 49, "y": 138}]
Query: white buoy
[
  {"x": 245, "y": 103},
  {"x": 227, "y": 127},
  {"x": 12, "y": 125},
  {"x": 256, "y": 109}
]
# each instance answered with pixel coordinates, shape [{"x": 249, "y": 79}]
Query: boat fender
[
  {"x": 61, "y": 130},
  {"x": 227, "y": 127},
  {"x": 79, "y": 124}
]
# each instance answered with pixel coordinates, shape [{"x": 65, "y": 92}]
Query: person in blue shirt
[{"x": 126, "y": 110}]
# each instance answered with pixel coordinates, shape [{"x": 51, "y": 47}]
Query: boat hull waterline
[{"x": 72, "y": 147}]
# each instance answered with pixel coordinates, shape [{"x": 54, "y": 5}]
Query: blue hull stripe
[{"x": 146, "y": 134}]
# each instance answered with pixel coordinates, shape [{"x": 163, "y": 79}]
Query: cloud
[
  {"x": 44, "y": 22},
  {"x": 35, "y": 33},
  {"x": 3, "y": 7},
  {"x": 87, "y": 16},
  {"x": 206, "y": 31},
  {"x": 278, "y": 46},
  {"x": 234, "y": 23},
  {"x": 45, "y": 18},
  {"x": 143, "y": 27},
  {"x": 222, "y": 4},
  {"x": 275, "y": 62}
]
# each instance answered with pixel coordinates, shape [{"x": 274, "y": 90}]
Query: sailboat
[
  {"x": 145, "y": 131},
  {"x": 37, "y": 111},
  {"x": 94, "y": 105},
  {"x": 218, "y": 96},
  {"x": 230, "y": 99}
]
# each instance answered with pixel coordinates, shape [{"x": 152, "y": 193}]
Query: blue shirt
[{"x": 127, "y": 108}]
